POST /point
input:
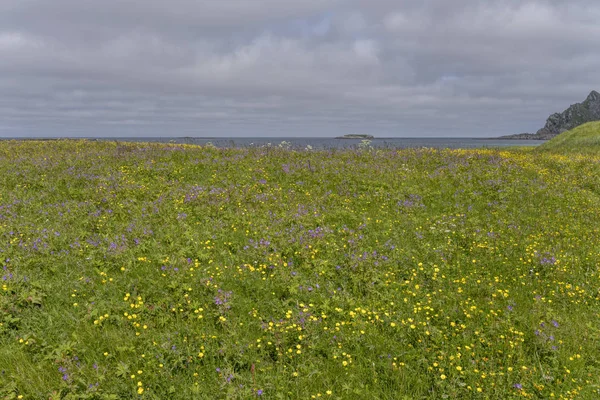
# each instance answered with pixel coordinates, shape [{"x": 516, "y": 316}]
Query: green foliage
[
  {"x": 134, "y": 270},
  {"x": 584, "y": 139}
]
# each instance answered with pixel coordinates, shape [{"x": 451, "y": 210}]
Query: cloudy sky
[{"x": 292, "y": 68}]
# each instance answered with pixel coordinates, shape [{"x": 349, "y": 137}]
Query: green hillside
[{"x": 585, "y": 139}]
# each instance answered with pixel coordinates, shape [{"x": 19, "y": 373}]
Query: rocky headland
[{"x": 577, "y": 114}]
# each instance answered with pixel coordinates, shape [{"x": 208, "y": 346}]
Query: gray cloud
[{"x": 278, "y": 68}]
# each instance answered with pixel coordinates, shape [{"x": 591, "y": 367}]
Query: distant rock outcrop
[
  {"x": 355, "y": 136},
  {"x": 577, "y": 114}
]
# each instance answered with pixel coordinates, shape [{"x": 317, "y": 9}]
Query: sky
[{"x": 282, "y": 68}]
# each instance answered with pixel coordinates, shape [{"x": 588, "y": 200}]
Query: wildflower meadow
[{"x": 165, "y": 271}]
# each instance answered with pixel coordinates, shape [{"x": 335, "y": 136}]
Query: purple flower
[
  {"x": 259, "y": 392},
  {"x": 548, "y": 261},
  {"x": 510, "y": 308},
  {"x": 222, "y": 298},
  {"x": 555, "y": 323},
  {"x": 518, "y": 386}
]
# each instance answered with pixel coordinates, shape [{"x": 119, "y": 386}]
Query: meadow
[{"x": 155, "y": 271}]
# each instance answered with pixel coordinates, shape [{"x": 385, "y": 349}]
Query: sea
[{"x": 331, "y": 143}]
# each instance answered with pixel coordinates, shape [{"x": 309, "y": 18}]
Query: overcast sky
[{"x": 293, "y": 68}]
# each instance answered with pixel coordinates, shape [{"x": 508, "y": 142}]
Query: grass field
[
  {"x": 168, "y": 271},
  {"x": 583, "y": 139}
]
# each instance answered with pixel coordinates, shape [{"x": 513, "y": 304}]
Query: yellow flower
[
  {"x": 140, "y": 390},
  {"x": 443, "y": 376}
]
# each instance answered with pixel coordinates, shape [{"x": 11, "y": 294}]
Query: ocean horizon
[{"x": 315, "y": 143}]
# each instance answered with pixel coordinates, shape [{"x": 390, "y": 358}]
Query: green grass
[
  {"x": 583, "y": 139},
  {"x": 168, "y": 271}
]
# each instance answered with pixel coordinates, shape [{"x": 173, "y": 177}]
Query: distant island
[
  {"x": 355, "y": 136},
  {"x": 574, "y": 116}
]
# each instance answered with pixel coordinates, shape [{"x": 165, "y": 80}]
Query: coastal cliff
[{"x": 577, "y": 114}]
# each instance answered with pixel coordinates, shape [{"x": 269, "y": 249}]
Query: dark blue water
[{"x": 328, "y": 143}]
